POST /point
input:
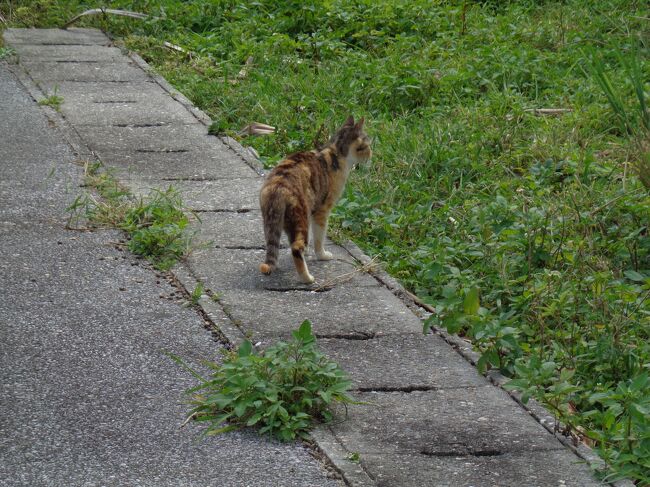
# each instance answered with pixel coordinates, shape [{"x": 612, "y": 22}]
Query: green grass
[
  {"x": 6, "y": 52},
  {"x": 157, "y": 225},
  {"x": 527, "y": 233},
  {"x": 282, "y": 391},
  {"x": 195, "y": 296},
  {"x": 55, "y": 101}
]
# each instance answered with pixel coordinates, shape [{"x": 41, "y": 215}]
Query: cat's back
[
  {"x": 296, "y": 169},
  {"x": 300, "y": 175}
]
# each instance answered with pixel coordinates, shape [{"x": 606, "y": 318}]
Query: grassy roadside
[{"x": 527, "y": 230}]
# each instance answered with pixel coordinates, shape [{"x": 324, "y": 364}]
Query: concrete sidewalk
[{"x": 432, "y": 419}]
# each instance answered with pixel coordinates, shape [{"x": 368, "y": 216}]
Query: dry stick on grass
[
  {"x": 256, "y": 128},
  {"x": 348, "y": 276},
  {"x": 243, "y": 72},
  {"x": 421, "y": 303},
  {"x": 549, "y": 111},
  {"x": 174, "y": 47},
  {"x": 613, "y": 200},
  {"x": 112, "y": 11}
]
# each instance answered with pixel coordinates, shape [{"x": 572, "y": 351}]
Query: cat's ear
[
  {"x": 349, "y": 122},
  {"x": 359, "y": 124}
]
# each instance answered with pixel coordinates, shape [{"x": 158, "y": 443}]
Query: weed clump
[
  {"x": 55, "y": 101},
  {"x": 282, "y": 390},
  {"x": 156, "y": 224}
]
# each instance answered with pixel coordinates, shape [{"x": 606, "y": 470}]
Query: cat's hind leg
[
  {"x": 273, "y": 215},
  {"x": 298, "y": 232}
]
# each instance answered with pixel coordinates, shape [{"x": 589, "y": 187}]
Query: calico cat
[{"x": 303, "y": 189}]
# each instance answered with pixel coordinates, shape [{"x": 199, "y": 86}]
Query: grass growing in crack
[
  {"x": 156, "y": 225},
  {"x": 6, "y": 52},
  {"x": 55, "y": 101},
  {"x": 197, "y": 293},
  {"x": 282, "y": 391},
  {"x": 354, "y": 457}
]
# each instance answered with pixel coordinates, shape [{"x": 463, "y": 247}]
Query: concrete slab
[
  {"x": 232, "y": 269},
  {"x": 169, "y": 152},
  {"x": 512, "y": 469},
  {"x": 477, "y": 421},
  {"x": 103, "y": 91},
  {"x": 130, "y": 110},
  {"x": 242, "y": 229},
  {"x": 174, "y": 138},
  {"x": 233, "y": 230},
  {"x": 395, "y": 362},
  {"x": 207, "y": 196},
  {"x": 120, "y": 104},
  {"x": 343, "y": 311},
  {"x": 137, "y": 103},
  {"x": 66, "y": 53},
  {"x": 71, "y": 36},
  {"x": 171, "y": 167},
  {"x": 73, "y": 71}
]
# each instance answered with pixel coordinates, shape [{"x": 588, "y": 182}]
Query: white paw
[
  {"x": 307, "y": 278},
  {"x": 324, "y": 255}
]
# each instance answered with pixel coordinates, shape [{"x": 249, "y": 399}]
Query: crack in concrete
[
  {"x": 66, "y": 61},
  {"x": 225, "y": 210},
  {"x": 192, "y": 178},
  {"x": 406, "y": 389},
  {"x": 106, "y": 102},
  {"x": 217, "y": 335},
  {"x": 161, "y": 151},
  {"x": 463, "y": 451},
  {"x": 353, "y": 335},
  {"x": 241, "y": 247},
  {"x": 136, "y": 125},
  {"x": 64, "y": 44},
  {"x": 296, "y": 288}
]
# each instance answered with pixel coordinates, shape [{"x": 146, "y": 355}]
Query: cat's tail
[{"x": 273, "y": 214}]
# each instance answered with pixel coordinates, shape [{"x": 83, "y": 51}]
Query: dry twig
[
  {"x": 256, "y": 128},
  {"x": 188, "y": 419},
  {"x": 104, "y": 10},
  {"x": 549, "y": 111},
  {"x": 243, "y": 72},
  {"x": 348, "y": 276},
  {"x": 174, "y": 47}
]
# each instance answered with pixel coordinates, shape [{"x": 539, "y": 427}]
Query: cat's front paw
[{"x": 324, "y": 255}]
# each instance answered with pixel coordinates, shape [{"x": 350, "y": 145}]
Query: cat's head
[{"x": 352, "y": 142}]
